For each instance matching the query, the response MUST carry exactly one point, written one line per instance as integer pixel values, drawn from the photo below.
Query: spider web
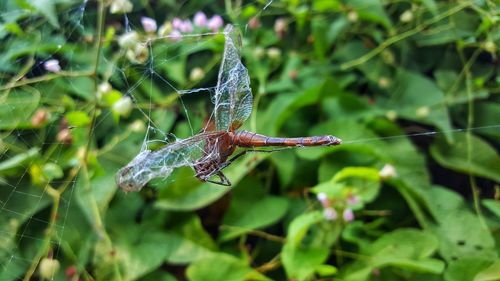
(45, 171)
(45, 166)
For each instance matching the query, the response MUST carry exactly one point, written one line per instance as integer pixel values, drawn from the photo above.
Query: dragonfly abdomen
(249, 139)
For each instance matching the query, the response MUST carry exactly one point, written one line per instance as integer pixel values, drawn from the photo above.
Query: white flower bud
(391, 115)
(490, 47)
(388, 171)
(48, 268)
(196, 74)
(423, 112)
(123, 106)
(165, 29)
(384, 82)
(138, 54)
(128, 39)
(52, 65)
(352, 16)
(121, 7)
(274, 53)
(258, 52)
(137, 126)
(406, 16)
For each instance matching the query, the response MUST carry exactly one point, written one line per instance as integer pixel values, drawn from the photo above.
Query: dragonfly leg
(223, 180)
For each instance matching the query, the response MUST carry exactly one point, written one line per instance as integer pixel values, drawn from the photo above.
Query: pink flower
(148, 24)
(215, 22)
(52, 65)
(186, 26)
(323, 198)
(200, 19)
(330, 214)
(348, 215)
(175, 35)
(176, 23)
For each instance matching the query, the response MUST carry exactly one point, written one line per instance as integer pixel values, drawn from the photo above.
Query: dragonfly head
(136, 174)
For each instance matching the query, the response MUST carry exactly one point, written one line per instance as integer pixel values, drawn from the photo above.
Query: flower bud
(215, 23)
(128, 39)
(352, 16)
(274, 53)
(330, 214)
(258, 52)
(48, 268)
(186, 26)
(280, 27)
(406, 16)
(165, 29)
(200, 19)
(138, 54)
(64, 136)
(148, 24)
(388, 171)
(52, 65)
(254, 23)
(384, 82)
(123, 106)
(177, 23)
(175, 35)
(388, 57)
(40, 117)
(196, 74)
(323, 199)
(423, 112)
(137, 126)
(391, 115)
(121, 7)
(348, 215)
(490, 47)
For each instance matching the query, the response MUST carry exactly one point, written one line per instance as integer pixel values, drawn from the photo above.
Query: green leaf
(48, 9)
(222, 267)
(371, 10)
(251, 210)
(300, 263)
(300, 225)
(418, 98)
(18, 160)
(16, 108)
(484, 160)
(409, 249)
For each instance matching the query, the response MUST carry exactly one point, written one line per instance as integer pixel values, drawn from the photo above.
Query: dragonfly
(210, 151)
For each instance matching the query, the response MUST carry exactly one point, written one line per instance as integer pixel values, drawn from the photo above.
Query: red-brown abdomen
(249, 139)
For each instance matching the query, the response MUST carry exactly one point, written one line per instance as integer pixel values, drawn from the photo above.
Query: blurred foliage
(410, 86)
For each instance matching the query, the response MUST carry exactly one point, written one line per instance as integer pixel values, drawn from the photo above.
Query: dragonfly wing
(233, 95)
(148, 165)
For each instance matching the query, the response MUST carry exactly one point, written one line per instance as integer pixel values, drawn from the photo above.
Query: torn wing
(233, 95)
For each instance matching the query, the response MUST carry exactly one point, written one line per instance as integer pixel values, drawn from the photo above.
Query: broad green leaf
(251, 210)
(47, 9)
(222, 267)
(408, 249)
(467, 269)
(484, 160)
(418, 98)
(16, 108)
(371, 10)
(491, 273)
(301, 262)
(18, 160)
(300, 225)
